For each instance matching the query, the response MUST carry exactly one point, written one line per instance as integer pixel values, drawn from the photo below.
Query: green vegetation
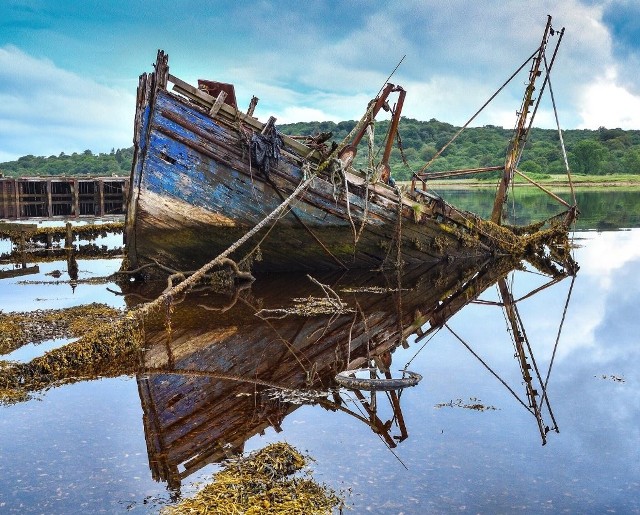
(600, 207)
(117, 162)
(591, 153)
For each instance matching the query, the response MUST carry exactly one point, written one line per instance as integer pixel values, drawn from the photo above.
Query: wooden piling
(49, 199)
(100, 184)
(68, 240)
(76, 198)
(16, 193)
(62, 197)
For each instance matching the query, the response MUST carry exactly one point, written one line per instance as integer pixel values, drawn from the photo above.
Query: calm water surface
(93, 446)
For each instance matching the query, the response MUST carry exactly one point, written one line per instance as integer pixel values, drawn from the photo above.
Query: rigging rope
(555, 347)
(422, 347)
(437, 154)
(564, 151)
(489, 369)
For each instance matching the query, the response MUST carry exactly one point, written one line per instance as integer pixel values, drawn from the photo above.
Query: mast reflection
(228, 367)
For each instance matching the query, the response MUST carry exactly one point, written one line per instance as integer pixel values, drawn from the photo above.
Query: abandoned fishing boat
(208, 178)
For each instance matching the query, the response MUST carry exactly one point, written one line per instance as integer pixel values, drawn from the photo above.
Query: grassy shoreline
(579, 181)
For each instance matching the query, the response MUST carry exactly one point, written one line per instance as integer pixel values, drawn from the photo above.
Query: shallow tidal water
(138, 441)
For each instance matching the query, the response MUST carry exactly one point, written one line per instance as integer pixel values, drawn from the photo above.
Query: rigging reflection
(219, 369)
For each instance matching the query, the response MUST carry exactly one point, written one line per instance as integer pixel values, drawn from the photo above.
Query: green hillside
(590, 152)
(117, 162)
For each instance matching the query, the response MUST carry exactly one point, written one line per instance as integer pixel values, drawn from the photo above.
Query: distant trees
(631, 161)
(587, 157)
(600, 151)
(118, 162)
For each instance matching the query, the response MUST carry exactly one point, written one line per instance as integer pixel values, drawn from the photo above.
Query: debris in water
(372, 289)
(473, 404)
(614, 378)
(308, 307)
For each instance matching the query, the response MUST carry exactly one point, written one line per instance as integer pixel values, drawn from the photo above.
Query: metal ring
(348, 379)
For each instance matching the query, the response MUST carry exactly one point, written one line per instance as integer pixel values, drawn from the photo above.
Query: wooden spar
(348, 154)
(423, 177)
(393, 129)
(216, 106)
(521, 131)
(548, 192)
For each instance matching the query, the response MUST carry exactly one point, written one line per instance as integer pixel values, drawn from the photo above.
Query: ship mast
(522, 128)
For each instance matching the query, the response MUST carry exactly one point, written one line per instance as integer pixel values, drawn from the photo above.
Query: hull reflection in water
(219, 370)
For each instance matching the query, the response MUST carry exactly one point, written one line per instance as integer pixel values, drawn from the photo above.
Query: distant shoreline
(581, 182)
(550, 181)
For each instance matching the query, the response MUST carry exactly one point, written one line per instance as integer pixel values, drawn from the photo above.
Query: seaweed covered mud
(262, 482)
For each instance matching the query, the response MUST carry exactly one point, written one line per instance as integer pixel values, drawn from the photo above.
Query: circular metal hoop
(348, 379)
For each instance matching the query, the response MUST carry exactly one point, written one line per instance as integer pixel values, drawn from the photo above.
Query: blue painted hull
(195, 191)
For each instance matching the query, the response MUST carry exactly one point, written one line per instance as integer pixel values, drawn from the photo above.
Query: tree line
(599, 152)
(602, 151)
(117, 162)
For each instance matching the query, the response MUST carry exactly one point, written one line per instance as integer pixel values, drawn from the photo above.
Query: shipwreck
(208, 178)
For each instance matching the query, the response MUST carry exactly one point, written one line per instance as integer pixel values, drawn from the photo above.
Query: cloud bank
(45, 110)
(67, 72)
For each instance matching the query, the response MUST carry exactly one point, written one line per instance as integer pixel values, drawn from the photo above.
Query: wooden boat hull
(195, 191)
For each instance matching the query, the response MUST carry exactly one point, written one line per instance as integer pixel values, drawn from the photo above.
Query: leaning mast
(522, 127)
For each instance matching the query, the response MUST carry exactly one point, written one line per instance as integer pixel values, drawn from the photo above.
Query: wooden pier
(62, 197)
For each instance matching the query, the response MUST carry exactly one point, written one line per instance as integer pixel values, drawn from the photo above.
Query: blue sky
(69, 69)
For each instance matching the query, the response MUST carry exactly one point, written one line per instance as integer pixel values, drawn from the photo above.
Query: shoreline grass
(578, 180)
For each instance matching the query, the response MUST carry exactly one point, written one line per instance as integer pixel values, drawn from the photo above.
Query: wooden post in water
(23, 254)
(68, 240)
(100, 197)
(49, 199)
(75, 194)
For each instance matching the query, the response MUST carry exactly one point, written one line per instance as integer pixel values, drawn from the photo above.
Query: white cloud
(608, 252)
(295, 114)
(453, 63)
(302, 68)
(45, 110)
(601, 270)
(606, 103)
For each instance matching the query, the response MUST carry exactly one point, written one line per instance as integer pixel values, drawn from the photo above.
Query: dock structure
(62, 197)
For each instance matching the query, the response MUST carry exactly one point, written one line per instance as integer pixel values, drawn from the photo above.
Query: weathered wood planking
(62, 197)
(210, 192)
